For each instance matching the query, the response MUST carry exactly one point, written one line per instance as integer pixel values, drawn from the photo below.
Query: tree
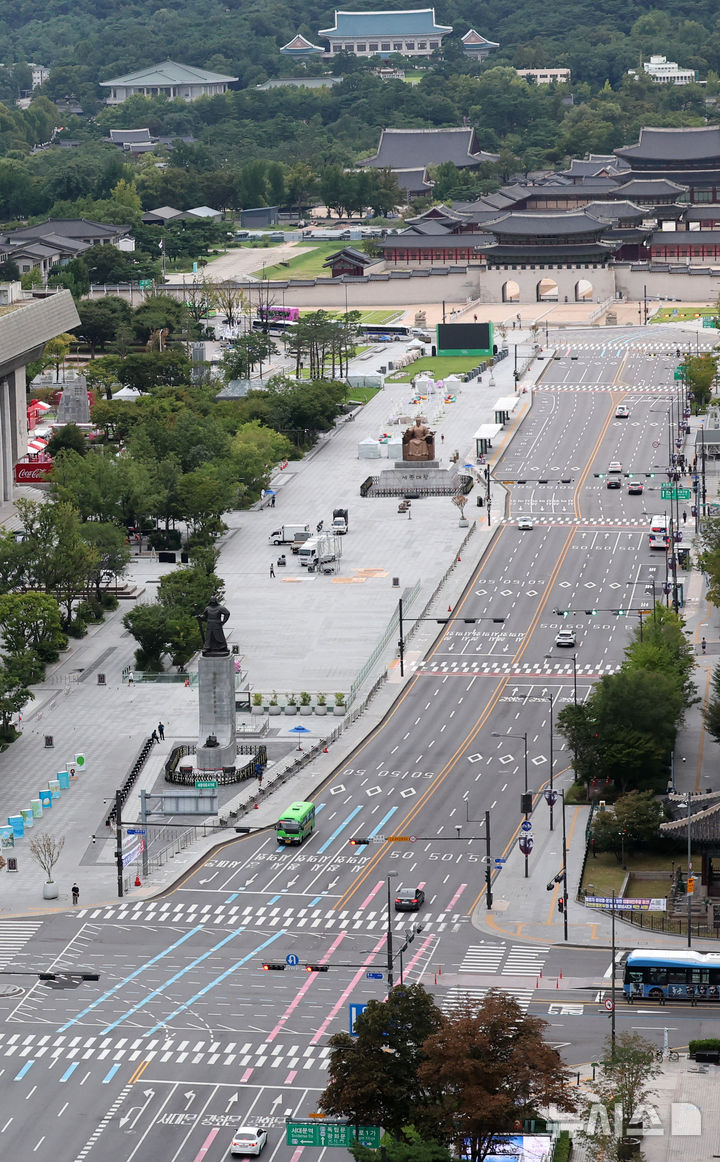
(204, 494)
(232, 302)
(634, 823)
(700, 372)
(619, 1095)
(154, 369)
(712, 710)
(16, 674)
(30, 623)
(56, 352)
(69, 438)
(59, 560)
(485, 1070)
(111, 553)
(189, 589)
(709, 557)
(100, 319)
(256, 450)
(374, 1077)
(148, 625)
(46, 851)
(413, 1150)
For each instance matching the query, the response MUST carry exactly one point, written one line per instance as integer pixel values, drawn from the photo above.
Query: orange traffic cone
(138, 883)
(255, 806)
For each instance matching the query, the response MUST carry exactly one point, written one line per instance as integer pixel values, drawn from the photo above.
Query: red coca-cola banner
(36, 472)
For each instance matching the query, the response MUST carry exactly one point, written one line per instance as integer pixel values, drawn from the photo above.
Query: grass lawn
(361, 394)
(605, 874)
(440, 367)
(307, 265)
(376, 318)
(681, 314)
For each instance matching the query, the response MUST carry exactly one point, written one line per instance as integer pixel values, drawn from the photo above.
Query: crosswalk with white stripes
(257, 915)
(494, 959)
(14, 935)
(521, 670)
(657, 347)
(652, 389)
(566, 521)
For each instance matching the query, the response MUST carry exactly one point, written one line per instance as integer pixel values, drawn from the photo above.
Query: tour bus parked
(296, 823)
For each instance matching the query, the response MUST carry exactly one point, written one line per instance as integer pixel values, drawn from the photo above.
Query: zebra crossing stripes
(458, 998)
(525, 959)
(525, 670)
(542, 518)
(14, 935)
(483, 958)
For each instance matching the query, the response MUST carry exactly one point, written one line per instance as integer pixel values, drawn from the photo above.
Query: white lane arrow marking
(234, 1097)
(190, 1095)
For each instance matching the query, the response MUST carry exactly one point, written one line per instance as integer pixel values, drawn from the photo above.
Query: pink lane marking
(457, 895)
(293, 1005)
(420, 952)
(374, 892)
(290, 1077)
(245, 1076)
(296, 1155)
(339, 1004)
(206, 1145)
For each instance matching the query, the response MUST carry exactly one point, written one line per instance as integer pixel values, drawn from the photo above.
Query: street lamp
(391, 980)
(574, 664)
(438, 621)
(497, 734)
(410, 934)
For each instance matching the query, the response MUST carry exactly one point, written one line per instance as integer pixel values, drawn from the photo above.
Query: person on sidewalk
(154, 737)
(75, 893)
(703, 645)
(684, 517)
(272, 569)
(161, 731)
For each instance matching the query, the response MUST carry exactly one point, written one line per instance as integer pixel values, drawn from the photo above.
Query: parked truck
(340, 521)
(286, 534)
(320, 553)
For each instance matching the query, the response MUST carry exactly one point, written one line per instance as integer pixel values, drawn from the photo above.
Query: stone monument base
(422, 476)
(216, 686)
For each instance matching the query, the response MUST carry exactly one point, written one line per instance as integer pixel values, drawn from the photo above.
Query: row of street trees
(624, 733)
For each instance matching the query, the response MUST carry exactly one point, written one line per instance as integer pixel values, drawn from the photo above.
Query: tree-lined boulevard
(185, 1036)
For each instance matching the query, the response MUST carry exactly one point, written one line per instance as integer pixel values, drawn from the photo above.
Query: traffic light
(591, 612)
(561, 904)
(356, 842)
(621, 612)
(274, 966)
(316, 968)
(526, 802)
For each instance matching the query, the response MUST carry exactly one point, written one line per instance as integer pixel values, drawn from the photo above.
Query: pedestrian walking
(272, 569)
(684, 517)
(75, 893)
(703, 645)
(272, 501)
(154, 737)
(442, 438)
(161, 731)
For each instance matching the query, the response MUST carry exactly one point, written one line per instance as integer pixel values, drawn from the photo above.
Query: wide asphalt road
(185, 1036)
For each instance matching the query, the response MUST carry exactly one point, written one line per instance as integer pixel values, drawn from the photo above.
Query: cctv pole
(401, 643)
(118, 842)
(551, 762)
(524, 738)
(564, 856)
(612, 982)
(390, 979)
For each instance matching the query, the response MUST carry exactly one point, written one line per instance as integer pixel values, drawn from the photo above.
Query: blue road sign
(526, 825)
(292, 959)
(354, 1011)
(136, 831)
(374, 975)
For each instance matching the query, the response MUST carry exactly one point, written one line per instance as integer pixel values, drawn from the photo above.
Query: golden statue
(418, 442)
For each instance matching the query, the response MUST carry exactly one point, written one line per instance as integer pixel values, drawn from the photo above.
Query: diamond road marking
(590, 585)
(531, 593)
(408, 791)
(374, 791)
(338, 789)
(539, 760)
(508, 758)
(564, 585)
(615, 585)
(506, 592)
(474, 758)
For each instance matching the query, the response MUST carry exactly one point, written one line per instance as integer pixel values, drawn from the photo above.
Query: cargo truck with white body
(286, 534)
(320, 553)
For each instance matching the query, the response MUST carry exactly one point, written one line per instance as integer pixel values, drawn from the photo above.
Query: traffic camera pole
(488, 873)
(118, 842)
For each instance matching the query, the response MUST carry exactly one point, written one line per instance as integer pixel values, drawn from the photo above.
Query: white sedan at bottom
(248, 1140)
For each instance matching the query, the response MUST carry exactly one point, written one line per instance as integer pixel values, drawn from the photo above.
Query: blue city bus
(672, 976)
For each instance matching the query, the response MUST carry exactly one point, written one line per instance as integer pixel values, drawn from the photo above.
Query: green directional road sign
(144, 283)
(667, 492)
(206, 784)
(322, 1133)
(679, 372)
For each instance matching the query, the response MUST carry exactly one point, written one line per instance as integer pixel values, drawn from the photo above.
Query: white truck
(320, 553)
(286, 534)
(340, 522)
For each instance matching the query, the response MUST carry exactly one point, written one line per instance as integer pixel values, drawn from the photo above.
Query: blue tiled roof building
(412, 32)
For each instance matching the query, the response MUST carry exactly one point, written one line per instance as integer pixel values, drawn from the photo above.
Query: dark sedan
(409, 899)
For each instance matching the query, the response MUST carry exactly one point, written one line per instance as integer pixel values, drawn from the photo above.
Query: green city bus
(296, 823)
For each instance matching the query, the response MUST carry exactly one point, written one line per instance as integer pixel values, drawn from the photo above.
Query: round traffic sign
(413, 838)
(656, 443)
(526, 825)
(609, 1005)
(292, 959)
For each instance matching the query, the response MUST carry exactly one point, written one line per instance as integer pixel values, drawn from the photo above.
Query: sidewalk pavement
(295, 632)
(519, 911)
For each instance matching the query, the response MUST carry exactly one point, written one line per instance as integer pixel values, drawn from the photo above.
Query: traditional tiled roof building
(477, 46)
(168, 79)
(301, 48)
(413, 32)
(688, 157)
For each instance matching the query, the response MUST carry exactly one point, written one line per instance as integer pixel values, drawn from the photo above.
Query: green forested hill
(105, 37)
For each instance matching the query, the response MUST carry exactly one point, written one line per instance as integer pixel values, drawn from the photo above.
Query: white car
(622, 412)
(565, 637)
(248, 1140)
(525, 523)
(614, 466)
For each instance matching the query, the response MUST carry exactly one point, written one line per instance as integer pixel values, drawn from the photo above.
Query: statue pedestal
(216, 685)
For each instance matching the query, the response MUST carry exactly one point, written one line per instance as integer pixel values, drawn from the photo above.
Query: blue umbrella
(299, 730)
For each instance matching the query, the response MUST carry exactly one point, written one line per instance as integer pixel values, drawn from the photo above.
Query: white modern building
(546, 76)
(665, 72)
